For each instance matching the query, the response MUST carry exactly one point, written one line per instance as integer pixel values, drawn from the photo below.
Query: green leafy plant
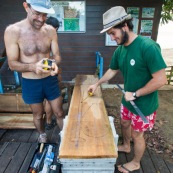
(167, 11)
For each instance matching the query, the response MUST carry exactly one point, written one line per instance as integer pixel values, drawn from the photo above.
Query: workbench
(88, 140)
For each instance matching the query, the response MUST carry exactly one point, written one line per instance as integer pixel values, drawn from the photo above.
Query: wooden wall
(78, 50)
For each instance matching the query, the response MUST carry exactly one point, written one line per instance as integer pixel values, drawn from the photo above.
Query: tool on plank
(134, 106)
(90, 94)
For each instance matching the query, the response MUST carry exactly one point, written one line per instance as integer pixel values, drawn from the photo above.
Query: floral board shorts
(136, 121)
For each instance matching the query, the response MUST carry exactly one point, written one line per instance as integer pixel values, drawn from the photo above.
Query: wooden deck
(150, 163)
(17, 149)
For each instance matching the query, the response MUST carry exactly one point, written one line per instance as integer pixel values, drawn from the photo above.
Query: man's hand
(40, 67)
(129, 96)
(92, 88)
(54, 69)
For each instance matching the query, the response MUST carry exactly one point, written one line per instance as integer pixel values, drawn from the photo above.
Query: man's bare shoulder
(15, 28)
(49, 29)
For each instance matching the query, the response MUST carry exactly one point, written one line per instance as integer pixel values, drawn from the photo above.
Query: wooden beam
(16, 121)
(13, 102)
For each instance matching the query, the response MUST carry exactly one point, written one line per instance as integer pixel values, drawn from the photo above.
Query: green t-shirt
(137, 62)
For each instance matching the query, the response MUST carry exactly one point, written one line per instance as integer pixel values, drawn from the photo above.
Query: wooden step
(16, 121)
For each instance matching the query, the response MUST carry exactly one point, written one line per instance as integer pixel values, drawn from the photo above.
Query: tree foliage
(167, 11)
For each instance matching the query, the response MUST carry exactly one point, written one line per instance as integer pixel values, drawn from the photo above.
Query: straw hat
(113, 17)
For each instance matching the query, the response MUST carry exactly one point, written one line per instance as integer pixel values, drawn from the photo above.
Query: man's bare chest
(31, 44)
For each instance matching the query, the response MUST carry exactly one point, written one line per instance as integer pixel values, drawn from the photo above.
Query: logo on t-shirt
(132, 62)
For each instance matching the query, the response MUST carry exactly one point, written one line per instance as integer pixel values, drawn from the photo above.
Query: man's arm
(159, 79)
(55, 52)
(55, 47)
(13, 52)
(106, 77)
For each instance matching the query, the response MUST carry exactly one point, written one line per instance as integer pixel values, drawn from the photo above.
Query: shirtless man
(28, 43)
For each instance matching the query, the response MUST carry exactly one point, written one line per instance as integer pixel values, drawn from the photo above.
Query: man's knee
(38, 115)
(59, 113)
(137, 135)
(125, 123)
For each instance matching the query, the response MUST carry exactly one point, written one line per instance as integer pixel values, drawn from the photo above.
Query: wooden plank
(55, 138)
(22, 135)
(16, 121)
(34, 136)
(2, 132)
(87, 133)
(17, 135)
(12, 102)
(18, 157)
(158, 162)
(9, 136)
(7, 155)
(169, 165)
(147, 164)
(49, 134)
(28, 158)
(3, 147)
(1, 144)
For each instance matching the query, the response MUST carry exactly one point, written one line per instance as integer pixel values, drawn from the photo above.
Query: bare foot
(129, 167)
(124, 148)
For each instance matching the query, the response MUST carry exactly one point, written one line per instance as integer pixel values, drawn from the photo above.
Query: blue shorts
(36, 90)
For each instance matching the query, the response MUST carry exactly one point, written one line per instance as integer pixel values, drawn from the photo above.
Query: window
(71, 15)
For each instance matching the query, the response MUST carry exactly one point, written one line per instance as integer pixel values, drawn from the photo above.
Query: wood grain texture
(16, 121)
(87, 133)
(12, 102)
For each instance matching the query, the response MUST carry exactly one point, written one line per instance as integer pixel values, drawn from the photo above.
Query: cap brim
(43, 10)
(106, 29)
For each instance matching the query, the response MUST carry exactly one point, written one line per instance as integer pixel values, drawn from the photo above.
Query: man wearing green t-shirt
(140, 61)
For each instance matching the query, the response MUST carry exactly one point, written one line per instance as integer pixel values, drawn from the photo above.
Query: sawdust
(160, 139)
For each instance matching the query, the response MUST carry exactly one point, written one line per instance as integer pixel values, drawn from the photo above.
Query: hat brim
(43, 10)
(126, 18)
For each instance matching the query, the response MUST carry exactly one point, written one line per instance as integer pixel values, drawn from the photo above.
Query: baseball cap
(113, 17)
(43, 6)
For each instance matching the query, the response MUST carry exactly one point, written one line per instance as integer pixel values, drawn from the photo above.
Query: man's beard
(124, 38)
